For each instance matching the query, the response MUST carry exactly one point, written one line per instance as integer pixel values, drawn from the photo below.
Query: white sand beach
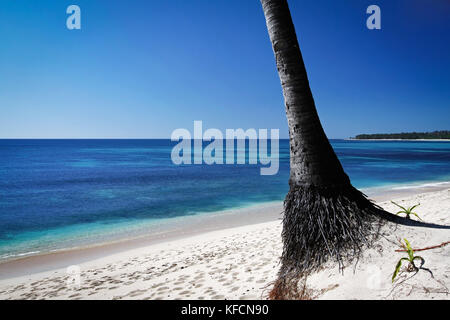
(241, 262)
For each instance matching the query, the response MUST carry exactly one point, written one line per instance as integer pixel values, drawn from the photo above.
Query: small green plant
(408, 211)
(411, 257)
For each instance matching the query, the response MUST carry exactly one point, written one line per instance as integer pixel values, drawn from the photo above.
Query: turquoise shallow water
(58, 194)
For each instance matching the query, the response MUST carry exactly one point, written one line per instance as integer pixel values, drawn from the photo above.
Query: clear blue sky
(140, 69)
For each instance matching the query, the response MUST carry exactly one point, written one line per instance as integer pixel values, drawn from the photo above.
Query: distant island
(435, 135)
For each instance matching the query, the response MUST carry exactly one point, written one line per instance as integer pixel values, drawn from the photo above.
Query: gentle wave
(17, 255)
(424, 185)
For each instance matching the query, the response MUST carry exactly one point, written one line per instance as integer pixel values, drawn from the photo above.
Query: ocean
(59, 194)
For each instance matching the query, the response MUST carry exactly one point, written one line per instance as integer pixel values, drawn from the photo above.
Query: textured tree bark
(312, 159)
(324, 215)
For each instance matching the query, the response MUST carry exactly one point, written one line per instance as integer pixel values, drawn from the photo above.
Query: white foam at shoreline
(414, 186)
(425, 185)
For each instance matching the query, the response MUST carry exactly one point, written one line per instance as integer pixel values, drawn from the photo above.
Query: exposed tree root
(320, 224)
(291, 288)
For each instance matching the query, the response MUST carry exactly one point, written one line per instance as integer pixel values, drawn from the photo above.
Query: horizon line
(132, 139)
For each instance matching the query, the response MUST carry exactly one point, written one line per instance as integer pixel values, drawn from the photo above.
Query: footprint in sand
(162, 289)
(186, 292)
(136, 293)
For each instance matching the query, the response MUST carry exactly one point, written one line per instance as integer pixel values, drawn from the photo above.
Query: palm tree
(324, 215)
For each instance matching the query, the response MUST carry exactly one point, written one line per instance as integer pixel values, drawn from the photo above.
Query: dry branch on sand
(427, 248)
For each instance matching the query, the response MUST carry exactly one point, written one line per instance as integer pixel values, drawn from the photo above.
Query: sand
(242, 262)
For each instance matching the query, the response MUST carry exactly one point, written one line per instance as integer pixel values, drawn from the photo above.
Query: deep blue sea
(58, 194)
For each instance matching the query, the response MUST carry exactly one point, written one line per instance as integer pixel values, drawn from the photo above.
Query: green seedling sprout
(411, 257)
(408, 211)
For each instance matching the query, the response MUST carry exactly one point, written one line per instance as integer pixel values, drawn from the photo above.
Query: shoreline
(191, 226)
(242, 262)
(421, 140)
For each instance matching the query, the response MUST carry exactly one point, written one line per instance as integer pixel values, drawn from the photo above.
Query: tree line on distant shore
(444, 134)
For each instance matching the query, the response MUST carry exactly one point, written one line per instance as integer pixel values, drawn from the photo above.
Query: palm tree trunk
(324, 215)
(313, 161)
